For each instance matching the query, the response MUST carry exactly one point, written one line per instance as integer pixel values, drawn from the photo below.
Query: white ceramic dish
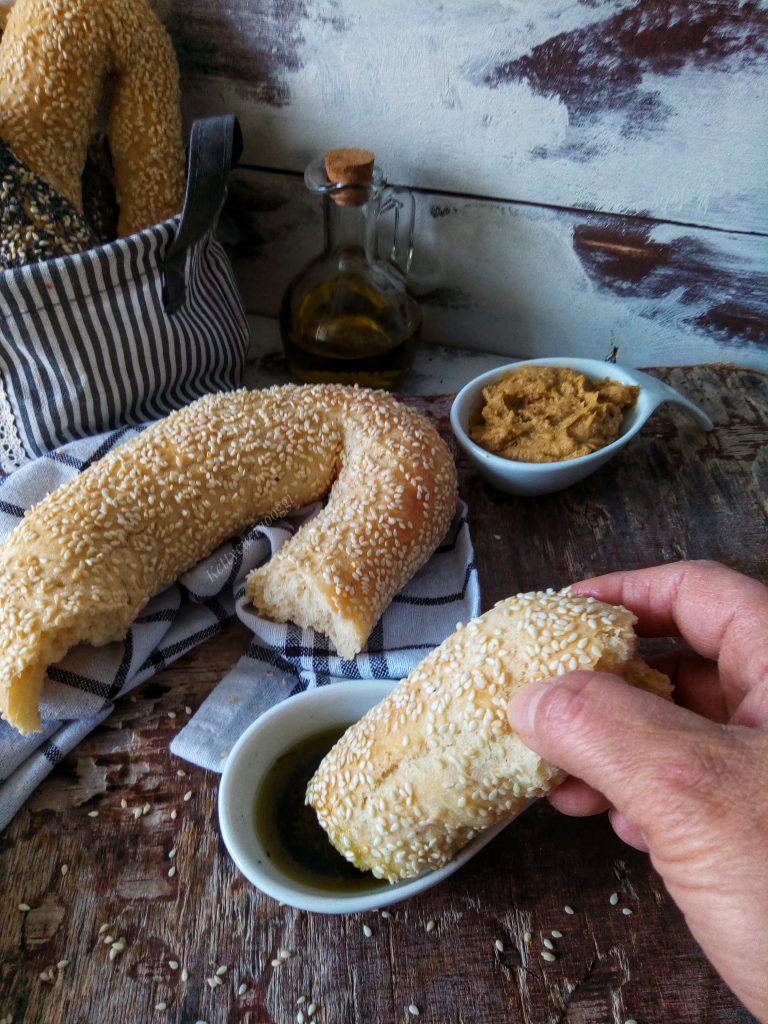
(532, 478)
(279, 729)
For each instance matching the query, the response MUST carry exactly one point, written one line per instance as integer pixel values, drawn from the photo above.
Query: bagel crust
(54, 59)
(437, 761)
(86, 559)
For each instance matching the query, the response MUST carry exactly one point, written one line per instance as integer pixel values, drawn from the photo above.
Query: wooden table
(674, 493)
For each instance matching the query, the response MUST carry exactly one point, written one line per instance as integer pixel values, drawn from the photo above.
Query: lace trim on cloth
(12, 454)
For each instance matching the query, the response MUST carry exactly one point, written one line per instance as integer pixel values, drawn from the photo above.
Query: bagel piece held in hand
(54, 59)
(85, 560)
(436, 762)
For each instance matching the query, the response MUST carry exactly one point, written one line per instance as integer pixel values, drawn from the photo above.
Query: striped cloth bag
(128, 331)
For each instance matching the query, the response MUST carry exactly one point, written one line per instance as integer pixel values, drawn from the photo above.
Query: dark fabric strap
(215, 146)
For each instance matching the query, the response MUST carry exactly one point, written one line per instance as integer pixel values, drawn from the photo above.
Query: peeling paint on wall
(622, 106)
(249, 41)
(724, 297)
(588, 171)
(603, 67)
(529, 281)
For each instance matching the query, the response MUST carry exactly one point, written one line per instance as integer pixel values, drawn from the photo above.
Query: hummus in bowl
(550, 413)
(517, 476)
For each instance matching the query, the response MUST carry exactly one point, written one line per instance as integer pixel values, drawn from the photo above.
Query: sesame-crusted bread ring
(54, 59)
(437, 761)
(85, 560)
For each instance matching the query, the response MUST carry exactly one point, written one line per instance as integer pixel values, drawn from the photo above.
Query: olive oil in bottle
(348, 317)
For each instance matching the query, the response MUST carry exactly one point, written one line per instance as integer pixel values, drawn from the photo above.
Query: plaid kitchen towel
(281, 660)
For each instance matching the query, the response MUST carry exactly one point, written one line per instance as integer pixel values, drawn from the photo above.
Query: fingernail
(521, 710)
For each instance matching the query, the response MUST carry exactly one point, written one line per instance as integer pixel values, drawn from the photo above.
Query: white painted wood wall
(588, 173)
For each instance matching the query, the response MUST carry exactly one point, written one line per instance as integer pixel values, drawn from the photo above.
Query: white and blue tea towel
(281, 659)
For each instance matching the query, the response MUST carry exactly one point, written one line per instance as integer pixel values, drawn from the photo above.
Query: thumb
(649, 757)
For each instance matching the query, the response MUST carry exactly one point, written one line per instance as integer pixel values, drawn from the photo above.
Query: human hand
(686, 782)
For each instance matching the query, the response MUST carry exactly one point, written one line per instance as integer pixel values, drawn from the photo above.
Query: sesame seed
(146, 809)
(161, 1006)
(558, 622)
(181, 773)
(222, 969)
(136, 812)
(301, 1000)
(172, 853)
(171, 870)
(614, 899)
(430, 926)
(277, 962)
(123, 803)
(173, 964)
(527, 936)
(627, 911)
(171, 714)
(93, 814)
(284, 954)
(549, 957)
(556, 934)
(188, 795)
(568, 909)
(188, 709)
(386, 914)
(367, 931)
(62, 964)
(243, 988)
(311, 1009)
(24, 907)
(548, 943)
(414, 1010)
(173, 815)
(103, 928)
(499, 945)
(630, 1020)
(300, 1017)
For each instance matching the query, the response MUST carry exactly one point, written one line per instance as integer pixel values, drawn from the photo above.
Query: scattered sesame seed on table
(644, 967)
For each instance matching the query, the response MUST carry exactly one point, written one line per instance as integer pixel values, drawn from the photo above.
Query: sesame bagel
(86, 559)
(437, 761)
(54, 59)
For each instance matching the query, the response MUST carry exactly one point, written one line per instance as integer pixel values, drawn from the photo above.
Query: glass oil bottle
(348, 317)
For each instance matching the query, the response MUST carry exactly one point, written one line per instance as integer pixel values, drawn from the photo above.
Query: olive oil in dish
(289, 830)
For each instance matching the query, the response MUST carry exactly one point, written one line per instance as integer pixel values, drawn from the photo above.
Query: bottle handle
(402, 202)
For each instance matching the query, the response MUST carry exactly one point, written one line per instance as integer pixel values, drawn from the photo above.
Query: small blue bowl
(533, 478)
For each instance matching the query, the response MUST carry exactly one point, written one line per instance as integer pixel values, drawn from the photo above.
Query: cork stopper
(349, 166)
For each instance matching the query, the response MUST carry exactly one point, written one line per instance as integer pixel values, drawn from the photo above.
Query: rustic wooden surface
(674, 492)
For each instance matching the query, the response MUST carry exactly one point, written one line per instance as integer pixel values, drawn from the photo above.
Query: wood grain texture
(654, 107)
(532, 281)
(673, 492)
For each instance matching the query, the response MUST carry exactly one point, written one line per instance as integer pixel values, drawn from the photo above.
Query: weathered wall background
(589, 173)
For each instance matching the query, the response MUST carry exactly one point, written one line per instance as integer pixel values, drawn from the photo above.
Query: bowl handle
(661, 392)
